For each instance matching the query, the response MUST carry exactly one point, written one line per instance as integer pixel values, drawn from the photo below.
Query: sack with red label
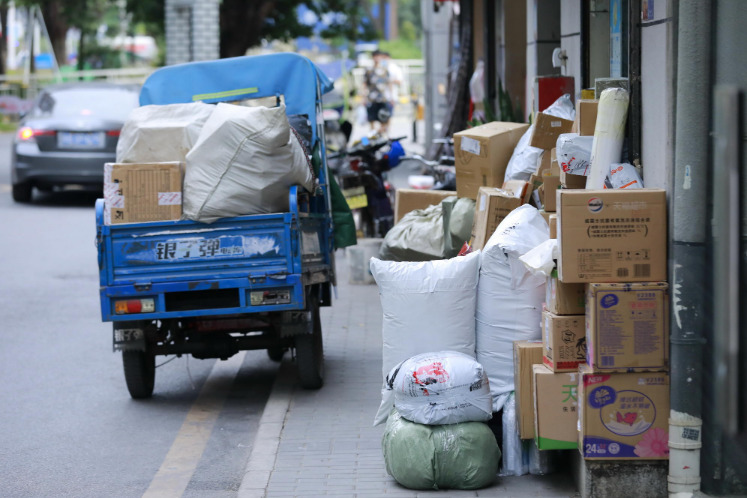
(623, 175)
(446, 387)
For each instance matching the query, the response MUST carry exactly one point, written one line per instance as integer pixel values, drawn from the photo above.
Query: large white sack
(523, 162)
(509, 297)
(244, 162)
(161, 133)
(445, 387)
(428, 306)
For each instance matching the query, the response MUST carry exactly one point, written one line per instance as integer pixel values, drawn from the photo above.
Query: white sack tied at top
(161, 133)
(244, 162)
(509, 297)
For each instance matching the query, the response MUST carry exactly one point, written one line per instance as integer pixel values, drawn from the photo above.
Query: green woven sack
(454, 456)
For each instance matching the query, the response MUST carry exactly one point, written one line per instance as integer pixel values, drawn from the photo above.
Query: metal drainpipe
(688, 248)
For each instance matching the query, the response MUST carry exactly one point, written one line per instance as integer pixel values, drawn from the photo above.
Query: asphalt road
(67, 424)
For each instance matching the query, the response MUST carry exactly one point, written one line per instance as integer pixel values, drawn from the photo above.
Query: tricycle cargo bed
(245, 264)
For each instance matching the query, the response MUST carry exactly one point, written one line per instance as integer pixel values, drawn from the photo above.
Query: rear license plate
(81, 140)
(356, 197)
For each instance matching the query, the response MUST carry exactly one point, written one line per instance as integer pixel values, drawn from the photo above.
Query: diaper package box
(623, 416)
(627, 326)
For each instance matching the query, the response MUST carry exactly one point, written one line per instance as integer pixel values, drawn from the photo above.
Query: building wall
(513, 67)
(192, 30)
(657, 97)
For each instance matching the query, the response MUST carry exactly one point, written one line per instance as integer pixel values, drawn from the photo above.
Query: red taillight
(147, 305)
(355, 164)
(113, 133)
(26, 133)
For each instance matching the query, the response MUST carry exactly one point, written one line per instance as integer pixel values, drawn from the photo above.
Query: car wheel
(22, 192)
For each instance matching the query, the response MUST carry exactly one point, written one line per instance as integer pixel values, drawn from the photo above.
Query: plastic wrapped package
(244, 162)
(574, 153)
(523, 162)
(514, 461)
(540, 462)
(624, 175)
(458, 216)
(428, 306)
(444, 387)
(161, 133)
(454, 456)
(509, 297)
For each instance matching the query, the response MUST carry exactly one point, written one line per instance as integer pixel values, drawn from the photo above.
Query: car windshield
(113, 103)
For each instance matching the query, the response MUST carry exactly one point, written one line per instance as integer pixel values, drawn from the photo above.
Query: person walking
(378, 93)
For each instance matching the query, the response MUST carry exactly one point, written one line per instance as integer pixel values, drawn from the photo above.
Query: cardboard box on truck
(612, 235)
(623, 416)
(135, 193)
(526, 355)
(564, 299)
(492, 206)
(407, 199)
(547, 128)
(482, 154)
(563, 341)
(627, 326)
(586, 115)
(556, 409)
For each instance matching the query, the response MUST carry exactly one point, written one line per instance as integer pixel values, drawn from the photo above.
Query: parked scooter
(434, 175)
(361, 174)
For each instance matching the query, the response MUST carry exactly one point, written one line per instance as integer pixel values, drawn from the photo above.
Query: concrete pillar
(192, 30)
(513, 68)
(570, 41)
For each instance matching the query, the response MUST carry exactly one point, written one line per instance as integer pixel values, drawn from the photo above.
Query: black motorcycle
(361, 172)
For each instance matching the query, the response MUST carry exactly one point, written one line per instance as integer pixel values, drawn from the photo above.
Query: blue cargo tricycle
(188, 288)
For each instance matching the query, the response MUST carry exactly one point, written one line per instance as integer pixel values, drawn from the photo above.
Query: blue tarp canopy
(224, 80)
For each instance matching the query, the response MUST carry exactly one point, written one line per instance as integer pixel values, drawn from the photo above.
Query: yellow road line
(180, 463)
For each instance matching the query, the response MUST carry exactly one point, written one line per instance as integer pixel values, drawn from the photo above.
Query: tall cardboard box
(563, 341)
(550, 185)
(564, 299)
(612, 235)
(136, 193)
(547, 128)
(556, 409)
(492, 206)
(553, 224)
(623, 416)
(482, 154)
(526, 355)
(586, 115)
(407, 199)
(627, 326)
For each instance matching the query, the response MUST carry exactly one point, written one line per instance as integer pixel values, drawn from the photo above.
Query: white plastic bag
(428, 306)
(523, 162)
(244, 162)
(161, 133)
(541, 259)
(624, 175)
(574, 153)
(509, 297)
(445, 387)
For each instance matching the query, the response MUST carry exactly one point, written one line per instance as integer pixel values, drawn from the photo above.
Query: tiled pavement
(322, 443)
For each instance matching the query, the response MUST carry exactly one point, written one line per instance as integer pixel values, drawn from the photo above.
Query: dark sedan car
(68, 135)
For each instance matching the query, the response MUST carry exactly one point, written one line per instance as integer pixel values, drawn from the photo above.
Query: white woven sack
(445, 387)
(428, 306)
(244, 162)
(161, 133)
(509, 297)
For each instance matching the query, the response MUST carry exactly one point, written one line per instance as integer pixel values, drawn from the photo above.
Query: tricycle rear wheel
(310, 351)
(140, 373)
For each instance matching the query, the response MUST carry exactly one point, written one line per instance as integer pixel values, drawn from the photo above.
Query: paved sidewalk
(322, 443)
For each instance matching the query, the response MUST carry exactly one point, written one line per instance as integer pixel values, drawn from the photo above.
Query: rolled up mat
(608, 135)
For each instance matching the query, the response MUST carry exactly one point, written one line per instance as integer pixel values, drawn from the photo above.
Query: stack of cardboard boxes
(600, 382)
(136, 193)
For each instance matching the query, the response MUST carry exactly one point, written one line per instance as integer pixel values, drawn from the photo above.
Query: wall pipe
(688, 270)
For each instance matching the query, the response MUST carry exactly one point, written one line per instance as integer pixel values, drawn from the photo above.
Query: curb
(265, 448)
